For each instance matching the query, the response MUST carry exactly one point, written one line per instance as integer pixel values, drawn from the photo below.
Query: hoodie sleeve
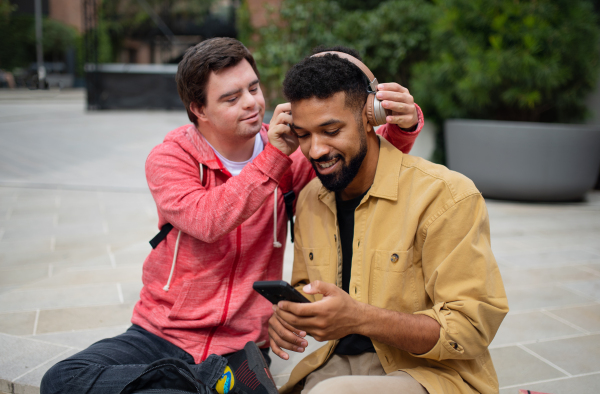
(402, 140)
(182, 200)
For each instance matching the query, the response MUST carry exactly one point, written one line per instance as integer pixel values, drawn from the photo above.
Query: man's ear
(368, 127)
(198, 110)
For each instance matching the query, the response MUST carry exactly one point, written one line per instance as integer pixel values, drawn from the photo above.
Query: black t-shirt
(352, 344)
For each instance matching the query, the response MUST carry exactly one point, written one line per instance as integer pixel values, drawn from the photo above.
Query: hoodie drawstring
(166, 288)
(275, 243)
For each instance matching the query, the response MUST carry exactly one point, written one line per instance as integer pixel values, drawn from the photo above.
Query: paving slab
(80, 277)
(17, 323)
(49, 298)
(21, 355)
(86, 318)
(588, 288)
(547, 275)
(514, 365)
(589, 384)
(575, 355)
(81, 339)
(547, 258)
(586, 317)
(534, 326)
(551, 296)
(19, 275)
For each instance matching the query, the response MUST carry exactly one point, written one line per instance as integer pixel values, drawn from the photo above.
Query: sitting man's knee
(57, 377)
(50, 382)
(339, 384)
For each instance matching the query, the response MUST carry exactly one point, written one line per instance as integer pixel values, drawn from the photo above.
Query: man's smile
(327, 167)
(251, 118)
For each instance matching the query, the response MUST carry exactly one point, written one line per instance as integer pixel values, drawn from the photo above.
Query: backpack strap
(289, 197)
(164, 231)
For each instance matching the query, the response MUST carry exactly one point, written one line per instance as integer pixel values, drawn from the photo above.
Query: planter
(132, 86)
(525, 161)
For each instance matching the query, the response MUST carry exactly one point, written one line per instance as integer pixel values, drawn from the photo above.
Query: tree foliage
(391, 36)
(18, 41)
(510, 60)
(533, 60)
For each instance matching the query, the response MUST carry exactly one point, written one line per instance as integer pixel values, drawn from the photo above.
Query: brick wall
(68, 12)
(258, 10)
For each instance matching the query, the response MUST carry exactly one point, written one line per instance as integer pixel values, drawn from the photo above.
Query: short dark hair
(200, 60)
(324, 76)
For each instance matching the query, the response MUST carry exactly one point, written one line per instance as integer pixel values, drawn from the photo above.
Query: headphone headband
(372, 80)
(376, 114)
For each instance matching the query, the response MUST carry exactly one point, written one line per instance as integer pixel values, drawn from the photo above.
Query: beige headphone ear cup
(376, 114)
(370, 110)
(379, 113)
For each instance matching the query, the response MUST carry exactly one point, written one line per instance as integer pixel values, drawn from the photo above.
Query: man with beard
(393, 250)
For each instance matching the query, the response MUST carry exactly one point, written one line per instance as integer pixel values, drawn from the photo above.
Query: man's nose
(248, 100)
(318, 147)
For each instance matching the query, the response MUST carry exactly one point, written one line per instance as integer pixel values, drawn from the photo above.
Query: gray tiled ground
(75, 218)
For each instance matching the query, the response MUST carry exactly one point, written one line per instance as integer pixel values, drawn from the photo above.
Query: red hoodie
(226, 240)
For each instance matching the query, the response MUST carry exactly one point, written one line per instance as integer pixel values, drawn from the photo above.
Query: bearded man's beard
(340, 180)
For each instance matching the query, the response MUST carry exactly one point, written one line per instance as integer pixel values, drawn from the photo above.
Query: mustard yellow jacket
(421, 245)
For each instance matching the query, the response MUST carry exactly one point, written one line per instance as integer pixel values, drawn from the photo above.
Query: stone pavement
(76, 217)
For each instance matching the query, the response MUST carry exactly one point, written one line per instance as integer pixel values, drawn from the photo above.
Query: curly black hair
(326, 75)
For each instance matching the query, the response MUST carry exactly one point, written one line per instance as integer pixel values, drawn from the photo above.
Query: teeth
(327, 164)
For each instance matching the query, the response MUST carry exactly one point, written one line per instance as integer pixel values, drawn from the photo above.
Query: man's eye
(301, 136)
(253, 90)
(332, 132)
(231, 100)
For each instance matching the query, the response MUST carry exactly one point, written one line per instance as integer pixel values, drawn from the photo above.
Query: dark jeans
(134, 362)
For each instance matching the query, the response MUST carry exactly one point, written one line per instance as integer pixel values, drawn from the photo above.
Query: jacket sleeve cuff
(394, 128)
(445, 348)
(272, 162)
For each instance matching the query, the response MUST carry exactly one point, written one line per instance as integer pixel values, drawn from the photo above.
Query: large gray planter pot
(525, 161)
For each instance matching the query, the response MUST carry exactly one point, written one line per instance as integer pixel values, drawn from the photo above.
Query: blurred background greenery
(532, 60)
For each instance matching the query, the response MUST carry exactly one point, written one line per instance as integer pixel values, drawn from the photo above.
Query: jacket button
(394, 258)
(335, 237)
(310, 255)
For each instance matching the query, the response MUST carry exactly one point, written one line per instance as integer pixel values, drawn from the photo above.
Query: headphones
(375, 112)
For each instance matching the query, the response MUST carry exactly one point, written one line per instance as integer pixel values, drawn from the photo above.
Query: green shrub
(390, 37)
(509, 60)
(18, 42)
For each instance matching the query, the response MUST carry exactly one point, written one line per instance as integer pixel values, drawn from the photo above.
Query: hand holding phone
(278, 290)
(281, 333)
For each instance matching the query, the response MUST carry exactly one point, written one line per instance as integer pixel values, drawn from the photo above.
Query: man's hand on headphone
(402, 104)
(281, 136)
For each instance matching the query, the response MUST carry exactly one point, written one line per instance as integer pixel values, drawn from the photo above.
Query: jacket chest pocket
(317, 262)
(316, 256)
(392, 260)
(393, 284)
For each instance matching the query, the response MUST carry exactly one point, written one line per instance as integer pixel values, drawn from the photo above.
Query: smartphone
(278, 290)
